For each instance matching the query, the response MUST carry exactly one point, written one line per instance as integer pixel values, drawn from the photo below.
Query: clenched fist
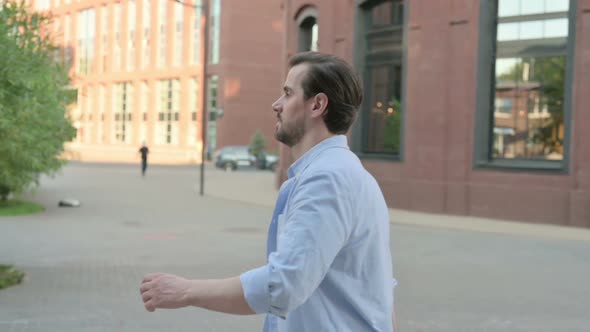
(166, 291)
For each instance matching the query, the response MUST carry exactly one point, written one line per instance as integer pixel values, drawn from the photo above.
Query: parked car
(234, 157)
(267, 161)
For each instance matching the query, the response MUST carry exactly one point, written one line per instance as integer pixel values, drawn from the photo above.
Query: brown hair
(333, 76)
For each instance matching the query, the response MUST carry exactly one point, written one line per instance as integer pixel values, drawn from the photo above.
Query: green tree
(258, 143)
(33, 100)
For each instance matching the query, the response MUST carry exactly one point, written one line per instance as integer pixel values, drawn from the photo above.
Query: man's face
(290, 109)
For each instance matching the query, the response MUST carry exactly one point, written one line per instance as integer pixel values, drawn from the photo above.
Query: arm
(316, 228)
(168, 291)
(312, 238)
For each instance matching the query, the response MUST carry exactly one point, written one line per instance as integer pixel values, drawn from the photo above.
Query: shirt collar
(298, 166)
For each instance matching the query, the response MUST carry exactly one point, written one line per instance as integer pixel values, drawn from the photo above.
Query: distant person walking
(144, 153)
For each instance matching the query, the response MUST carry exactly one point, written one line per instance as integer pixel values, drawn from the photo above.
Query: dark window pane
(383, 42)
(384, 111)
(176, 116)
(194, 116)
(388, 13)
(145, 117)
(382, 14)
(383, 78)
(308, 31)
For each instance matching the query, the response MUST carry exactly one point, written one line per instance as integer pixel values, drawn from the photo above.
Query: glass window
(117, 46)
(167, 131)
(508, 8)
(308, 35)
(178, 16)
(147, 18)
(131, 25)
(193, 107)
(162, 15)
(101, 110)
(212, 109)
(552, 28)
(123, 108)
(553, 6)
(556, 28)
(508, 31)
(86, 33)
(104, 34)
(528, 121)
(387, 13)
(215, 32)
(196, 47)
(529, 7)
(384, 120)
(382, 111)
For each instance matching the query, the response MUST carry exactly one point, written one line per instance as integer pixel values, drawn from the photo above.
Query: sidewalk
(261, 191)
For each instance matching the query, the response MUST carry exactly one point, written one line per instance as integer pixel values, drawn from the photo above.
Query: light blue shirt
(331, 270)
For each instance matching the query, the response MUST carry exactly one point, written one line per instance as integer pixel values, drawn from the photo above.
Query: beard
(291, 134)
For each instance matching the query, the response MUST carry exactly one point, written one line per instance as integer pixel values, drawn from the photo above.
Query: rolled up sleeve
(255, 286)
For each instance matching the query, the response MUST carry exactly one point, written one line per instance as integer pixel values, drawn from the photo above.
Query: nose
(276, 106)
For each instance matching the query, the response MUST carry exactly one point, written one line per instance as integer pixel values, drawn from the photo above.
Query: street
(84, 265)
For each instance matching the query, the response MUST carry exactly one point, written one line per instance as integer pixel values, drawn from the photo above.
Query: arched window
(307, 23)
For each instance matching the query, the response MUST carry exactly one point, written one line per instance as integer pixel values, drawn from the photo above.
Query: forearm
(222, 295)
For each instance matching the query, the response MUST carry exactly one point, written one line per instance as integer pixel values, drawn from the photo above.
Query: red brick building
(138, 68)
(471, 107)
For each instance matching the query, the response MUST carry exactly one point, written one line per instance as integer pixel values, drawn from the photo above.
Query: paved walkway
(84, 264)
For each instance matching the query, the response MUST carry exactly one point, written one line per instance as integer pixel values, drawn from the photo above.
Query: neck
(308, 141)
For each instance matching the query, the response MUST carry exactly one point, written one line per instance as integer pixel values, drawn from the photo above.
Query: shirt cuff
(256, 289)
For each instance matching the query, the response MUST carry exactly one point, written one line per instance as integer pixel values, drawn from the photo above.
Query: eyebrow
(287, 88)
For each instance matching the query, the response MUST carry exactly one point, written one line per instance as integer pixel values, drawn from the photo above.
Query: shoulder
(340, 166)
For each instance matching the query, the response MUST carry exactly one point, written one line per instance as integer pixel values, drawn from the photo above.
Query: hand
(166, 291)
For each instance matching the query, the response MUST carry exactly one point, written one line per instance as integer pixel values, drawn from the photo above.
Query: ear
(320, 104)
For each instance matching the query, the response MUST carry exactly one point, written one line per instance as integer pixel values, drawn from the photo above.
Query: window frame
(360, 127)
(486, 64)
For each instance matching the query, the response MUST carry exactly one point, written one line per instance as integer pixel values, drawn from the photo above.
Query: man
(329, 263)
(144, 153)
